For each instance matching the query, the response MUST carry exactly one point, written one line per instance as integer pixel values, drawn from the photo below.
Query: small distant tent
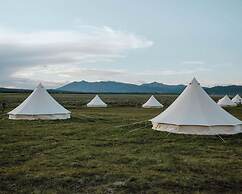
(152, 103)
(194, 112)
(225, 102)
(97, 102)
(39, 105)
(237, 99)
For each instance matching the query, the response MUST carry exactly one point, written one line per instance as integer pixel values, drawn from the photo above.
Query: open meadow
(113, 150)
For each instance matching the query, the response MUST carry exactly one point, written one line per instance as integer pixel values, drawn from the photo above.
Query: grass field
(113, 150)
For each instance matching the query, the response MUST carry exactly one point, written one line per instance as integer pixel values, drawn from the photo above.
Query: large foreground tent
(226, 101)
(152, 103)
(194, 112)
(39, 105)
(237, 99)
(97, 102)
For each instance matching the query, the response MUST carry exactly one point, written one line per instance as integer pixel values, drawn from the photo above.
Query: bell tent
(237, 99)
(225, 102)
(97, 102)
(152, 103)
(194, 112)
(39, 105)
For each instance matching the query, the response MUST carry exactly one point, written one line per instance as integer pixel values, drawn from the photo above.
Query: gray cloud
(23, 51)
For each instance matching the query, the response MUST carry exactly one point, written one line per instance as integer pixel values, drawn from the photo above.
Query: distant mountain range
(154, 87)
(118, 87)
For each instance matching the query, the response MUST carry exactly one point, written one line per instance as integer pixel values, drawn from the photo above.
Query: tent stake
(168, 134)
(221, 138)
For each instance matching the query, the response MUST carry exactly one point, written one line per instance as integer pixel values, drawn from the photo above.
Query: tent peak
(40, 85)
(194, 81)
(226, 96)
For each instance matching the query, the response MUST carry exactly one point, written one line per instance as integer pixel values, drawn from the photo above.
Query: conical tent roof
(195, 108)
(225, 101)
(96, 102)
(39, 102)
(237, 99)
(152, 103)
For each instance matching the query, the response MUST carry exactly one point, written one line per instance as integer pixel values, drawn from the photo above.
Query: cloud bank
(34, 55)
(62, 74)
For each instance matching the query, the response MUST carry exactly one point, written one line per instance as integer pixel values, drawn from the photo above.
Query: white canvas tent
(237, 99)
(194, 112)
(39, 105)
(97, 102)
(152, 103)
(225, 101)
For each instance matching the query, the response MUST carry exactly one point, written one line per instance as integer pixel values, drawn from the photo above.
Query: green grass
(113, 150)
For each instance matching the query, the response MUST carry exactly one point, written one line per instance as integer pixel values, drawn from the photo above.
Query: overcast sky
(136, 41)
